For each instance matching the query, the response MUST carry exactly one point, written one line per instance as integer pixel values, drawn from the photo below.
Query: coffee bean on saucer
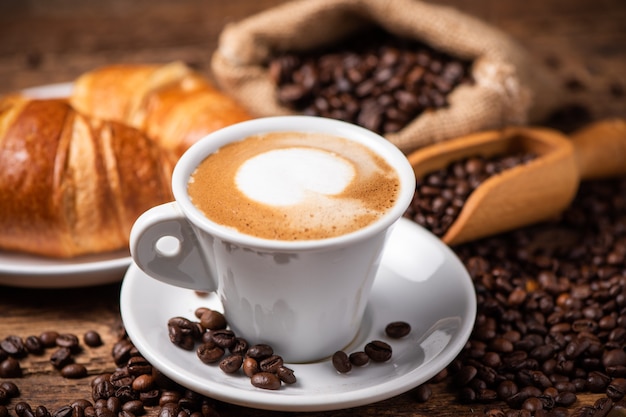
(286, 375)
(212, 320)
(359, 358)
(271, 363)
(265, 380)
(341, 362)
(223, 338)
(260, 351)
(378, 351)
(397, 329)
(231, 364)
(209, 352)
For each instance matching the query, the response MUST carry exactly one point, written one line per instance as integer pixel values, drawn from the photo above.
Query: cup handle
(178, 260)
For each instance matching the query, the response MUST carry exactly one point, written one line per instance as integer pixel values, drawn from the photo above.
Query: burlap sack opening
(509, 87)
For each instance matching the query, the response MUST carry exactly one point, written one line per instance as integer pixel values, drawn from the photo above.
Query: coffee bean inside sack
(441, 195)
(374, 79)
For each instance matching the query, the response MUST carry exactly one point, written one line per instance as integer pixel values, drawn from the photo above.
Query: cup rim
(310, 124)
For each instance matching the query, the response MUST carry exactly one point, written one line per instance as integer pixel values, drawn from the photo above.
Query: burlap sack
(509, 88)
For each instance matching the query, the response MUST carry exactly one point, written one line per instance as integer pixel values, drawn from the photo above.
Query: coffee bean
(223, 338)
(250, 366)
(260, 351)
(359, 358)
(209, 352)
(69, 341)
(138, 365)
(286, 375)
(10, 368)
(397, 329)
(61, 357)
(265, 380)
(183, 332)
(121, 351)
(378, 351)
(341, 362)
(14, 346)
(92, 338)
(33, 345)
(212, 320)
(231, 363)
(74, 371)
(616, 389)
(240, 346)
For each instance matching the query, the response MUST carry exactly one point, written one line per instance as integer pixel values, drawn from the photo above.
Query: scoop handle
(601, 149)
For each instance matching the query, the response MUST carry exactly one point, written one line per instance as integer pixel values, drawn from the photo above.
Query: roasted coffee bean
(376, 80)
(209, 352)
(14, 346)
(286, 375)
(250, 366)
(231, 363)
(169, 410)
(121, 351)
(4, 397)
(68, 340)
(223, 338)
(64, 411)
(143, 383)
(74, 371)
(138, 365)
(260, 351)
(240, 346)
(212, 320)
(169, 396)
(92, 338)
(10, 368)
(397, 329)
(33, 345)
(359, 358)
(265, 380)
(126, 393)
(120, 377)
(10, 388)
(102, 390)
(616, 389)
(378, 351)
(271, 364)
(341, 362)
(135, 407)
(183, 332)
(149, 398)
(61, 357)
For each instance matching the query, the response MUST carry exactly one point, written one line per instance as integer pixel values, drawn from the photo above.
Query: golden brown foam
(371, 193)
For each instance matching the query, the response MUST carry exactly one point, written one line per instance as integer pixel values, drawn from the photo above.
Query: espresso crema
(294, 186)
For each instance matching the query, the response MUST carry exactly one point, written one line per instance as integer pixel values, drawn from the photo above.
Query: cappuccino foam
(294, 186)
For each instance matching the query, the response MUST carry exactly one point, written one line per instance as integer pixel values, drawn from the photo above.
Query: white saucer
(420, 281)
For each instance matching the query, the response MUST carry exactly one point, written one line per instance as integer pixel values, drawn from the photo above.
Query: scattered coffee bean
(209, 352)
(223, 338)
(397, 329)
(14, 346)
(33, 345)
(74, 371)
(10, 368)
(69, 341)
(378, 351)
(250, 366)
(260, 351)
(286, 375)
(61, 357)
(92, 338)
(265, 380)
(341, 362)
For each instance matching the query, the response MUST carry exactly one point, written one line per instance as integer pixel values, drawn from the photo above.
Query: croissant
(170, 103)
(72, 184)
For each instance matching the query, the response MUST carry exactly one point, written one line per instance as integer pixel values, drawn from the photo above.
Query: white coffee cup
(304, 298)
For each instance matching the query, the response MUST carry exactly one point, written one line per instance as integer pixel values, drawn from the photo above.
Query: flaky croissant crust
(72, 184)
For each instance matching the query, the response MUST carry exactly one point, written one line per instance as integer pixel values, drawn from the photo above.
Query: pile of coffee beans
(216, 344)
(441, 195)
(551, 320)
(66, 346)
(374, 79)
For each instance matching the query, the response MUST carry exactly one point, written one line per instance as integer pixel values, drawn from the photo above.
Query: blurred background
(49, 41)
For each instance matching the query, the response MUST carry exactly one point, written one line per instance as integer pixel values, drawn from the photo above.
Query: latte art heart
(283, 177)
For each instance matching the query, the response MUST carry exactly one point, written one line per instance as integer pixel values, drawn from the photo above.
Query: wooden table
(42, 42)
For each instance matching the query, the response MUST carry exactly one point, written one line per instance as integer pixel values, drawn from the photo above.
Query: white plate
(31, 271)
(420, 281)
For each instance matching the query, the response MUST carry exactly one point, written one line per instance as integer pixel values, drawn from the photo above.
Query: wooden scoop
(535, 191)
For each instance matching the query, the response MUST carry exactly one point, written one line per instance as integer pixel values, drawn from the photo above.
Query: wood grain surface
(51, 41)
